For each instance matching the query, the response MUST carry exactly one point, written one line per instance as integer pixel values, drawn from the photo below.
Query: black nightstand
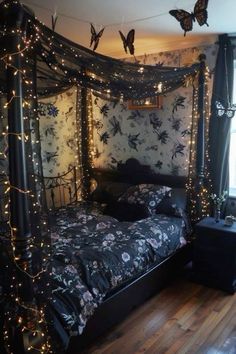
(214, 260)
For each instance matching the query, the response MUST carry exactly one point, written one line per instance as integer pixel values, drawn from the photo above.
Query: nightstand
(214, 259)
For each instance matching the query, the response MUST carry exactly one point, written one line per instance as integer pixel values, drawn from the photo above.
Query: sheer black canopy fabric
(62, 63)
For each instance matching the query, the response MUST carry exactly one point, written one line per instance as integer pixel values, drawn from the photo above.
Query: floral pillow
(149, 195)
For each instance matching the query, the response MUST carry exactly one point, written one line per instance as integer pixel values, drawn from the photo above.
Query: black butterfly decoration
(95, 37)
(54, 21)
(222, 111)
(128, 41)
(186, 19)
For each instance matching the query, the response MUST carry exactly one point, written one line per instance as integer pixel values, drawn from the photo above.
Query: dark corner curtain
(219, 128)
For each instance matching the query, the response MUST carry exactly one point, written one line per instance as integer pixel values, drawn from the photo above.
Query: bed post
(19, 206)
(200, 159)
(85, 159)
(200, 141)
(20, 300)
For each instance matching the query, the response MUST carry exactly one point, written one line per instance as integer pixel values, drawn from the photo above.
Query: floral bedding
(94, 253)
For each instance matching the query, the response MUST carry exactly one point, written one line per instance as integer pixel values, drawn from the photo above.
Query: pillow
(123, 211)
(149, 195)
(116, 189)
(174, 203)
(167, 207)
(100, 195)
(108, 191)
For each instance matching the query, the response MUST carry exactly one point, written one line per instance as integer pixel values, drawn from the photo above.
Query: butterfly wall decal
(128, 41)
(95, 37)
(225, 111)
(186, 18)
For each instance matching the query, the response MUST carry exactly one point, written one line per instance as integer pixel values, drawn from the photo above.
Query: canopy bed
(36, 61)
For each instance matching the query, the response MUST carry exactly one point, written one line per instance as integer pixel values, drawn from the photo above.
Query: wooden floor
(183, 318)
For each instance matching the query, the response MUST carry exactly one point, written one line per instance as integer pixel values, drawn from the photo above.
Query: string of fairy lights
(102, 74)
(202, 197)
(84, 172)
(33, 319)
(38, 325)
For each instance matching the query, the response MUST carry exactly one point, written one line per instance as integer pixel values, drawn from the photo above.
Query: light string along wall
(204, 192)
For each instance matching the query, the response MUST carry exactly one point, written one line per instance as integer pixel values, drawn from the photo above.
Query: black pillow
(174, 204)
(167, 207)
(123, 211)
(101, 196)
(116, 189)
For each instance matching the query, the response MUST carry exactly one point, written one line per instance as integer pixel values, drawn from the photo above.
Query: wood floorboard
(184, 318)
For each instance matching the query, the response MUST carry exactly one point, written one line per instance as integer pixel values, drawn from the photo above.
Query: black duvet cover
(94, 253)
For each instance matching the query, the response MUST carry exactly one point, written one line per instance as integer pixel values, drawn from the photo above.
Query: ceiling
(155, 29)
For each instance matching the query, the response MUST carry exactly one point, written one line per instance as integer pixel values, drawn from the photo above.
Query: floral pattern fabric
(149, 195)
(94, 253)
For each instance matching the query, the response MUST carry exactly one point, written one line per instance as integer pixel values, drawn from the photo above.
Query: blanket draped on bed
(94, 253)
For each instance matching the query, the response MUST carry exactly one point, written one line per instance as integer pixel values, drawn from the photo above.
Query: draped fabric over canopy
(61, 63)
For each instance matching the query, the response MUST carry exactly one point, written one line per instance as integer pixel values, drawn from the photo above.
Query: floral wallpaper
(157, 137)
(58, 132)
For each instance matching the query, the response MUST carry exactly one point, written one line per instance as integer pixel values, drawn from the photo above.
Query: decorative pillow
(101, 196)
(123, 211)
(108, 191)
(116, 189)
(174, 204)
(149, 195)
(168, 207)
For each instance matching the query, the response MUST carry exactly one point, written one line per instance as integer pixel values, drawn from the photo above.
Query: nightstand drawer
(215, 239)
(220, 258)
(214, 255)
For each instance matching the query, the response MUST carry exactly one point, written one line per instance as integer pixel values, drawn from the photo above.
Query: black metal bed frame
(61, 189)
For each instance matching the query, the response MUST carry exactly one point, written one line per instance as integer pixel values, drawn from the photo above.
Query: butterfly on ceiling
(95, 37)
(54, 20)
(223, 111)
(128, 41)
(186, 19)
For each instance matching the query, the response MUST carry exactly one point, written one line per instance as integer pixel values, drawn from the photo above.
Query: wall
(58, 146)
(58, 132)
(157, 137)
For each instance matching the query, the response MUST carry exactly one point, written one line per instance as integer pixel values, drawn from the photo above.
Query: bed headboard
(61, 189)
(64, 189)
(134, 173)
